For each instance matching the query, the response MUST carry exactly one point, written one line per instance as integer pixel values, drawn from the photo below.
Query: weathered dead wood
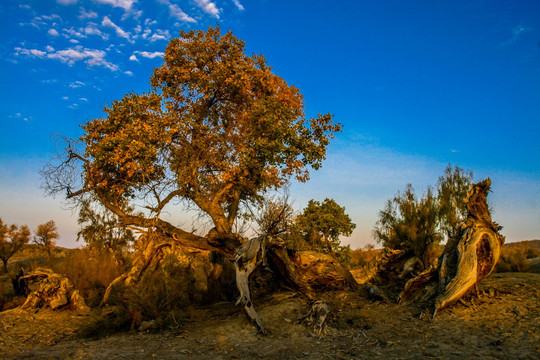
(465, 261)
(316, 316)
(305, 271)
(52, 290)
(247, 257)
(384, 277)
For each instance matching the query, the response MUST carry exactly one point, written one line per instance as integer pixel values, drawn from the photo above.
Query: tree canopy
(323, 223)
(12, 239)
(452, 190)
(411, 223)
(217, 130)
(46, 235)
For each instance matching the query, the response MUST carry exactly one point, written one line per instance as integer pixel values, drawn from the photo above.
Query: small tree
(46, 235)
(321, 225)
(409, 223)
(12, 239)
(452, 190)
(275, 215)
(415, 224)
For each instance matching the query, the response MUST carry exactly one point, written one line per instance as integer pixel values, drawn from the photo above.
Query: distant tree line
(13, 238)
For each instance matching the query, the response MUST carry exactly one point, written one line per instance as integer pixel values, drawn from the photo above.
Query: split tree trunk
(466, 260)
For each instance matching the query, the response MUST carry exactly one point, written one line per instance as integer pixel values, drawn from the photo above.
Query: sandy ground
(504, 323)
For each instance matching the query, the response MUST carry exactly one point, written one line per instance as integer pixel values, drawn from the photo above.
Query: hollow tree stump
(466, 260)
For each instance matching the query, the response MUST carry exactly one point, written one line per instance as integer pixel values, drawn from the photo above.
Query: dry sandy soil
(504, 323)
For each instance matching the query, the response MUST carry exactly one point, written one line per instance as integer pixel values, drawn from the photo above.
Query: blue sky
(416, 84)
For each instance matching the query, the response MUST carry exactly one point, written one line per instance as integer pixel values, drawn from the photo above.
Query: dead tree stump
(466, 260)
(52, 290)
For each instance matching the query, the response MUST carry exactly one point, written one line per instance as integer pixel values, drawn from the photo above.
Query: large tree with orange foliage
(217, 130)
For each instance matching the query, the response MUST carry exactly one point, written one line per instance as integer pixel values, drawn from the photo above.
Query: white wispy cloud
(149, 55)
(149, 22)
(119, 31)
(127, 5)
(124, 4)
(208, 7)
(84, 14)
(133, 58)
(66, 2)
(129, 73)
(30, 52)
(238, 5)
(157, 35)
(92, 29)
(36, 22)
(20, 116)
(70, 56)
(146, 33)
(76, 84)
(517, 31)
(39, 22)
(53, 32)
(71, 33)
(175, 11)
(51, 17)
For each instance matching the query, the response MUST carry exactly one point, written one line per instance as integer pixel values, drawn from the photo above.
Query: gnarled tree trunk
(466, 260)
(51, 290)
(305, 271)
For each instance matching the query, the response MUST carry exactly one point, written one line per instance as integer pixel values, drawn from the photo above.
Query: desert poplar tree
(216, 131)
(12, 239)
(46, 235)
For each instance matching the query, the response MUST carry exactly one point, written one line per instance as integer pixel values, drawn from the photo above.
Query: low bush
(90, 271)
(361, 257)
(514, 258)
(162, 293)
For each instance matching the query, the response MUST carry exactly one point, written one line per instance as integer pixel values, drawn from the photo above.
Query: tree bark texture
(52, 290)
